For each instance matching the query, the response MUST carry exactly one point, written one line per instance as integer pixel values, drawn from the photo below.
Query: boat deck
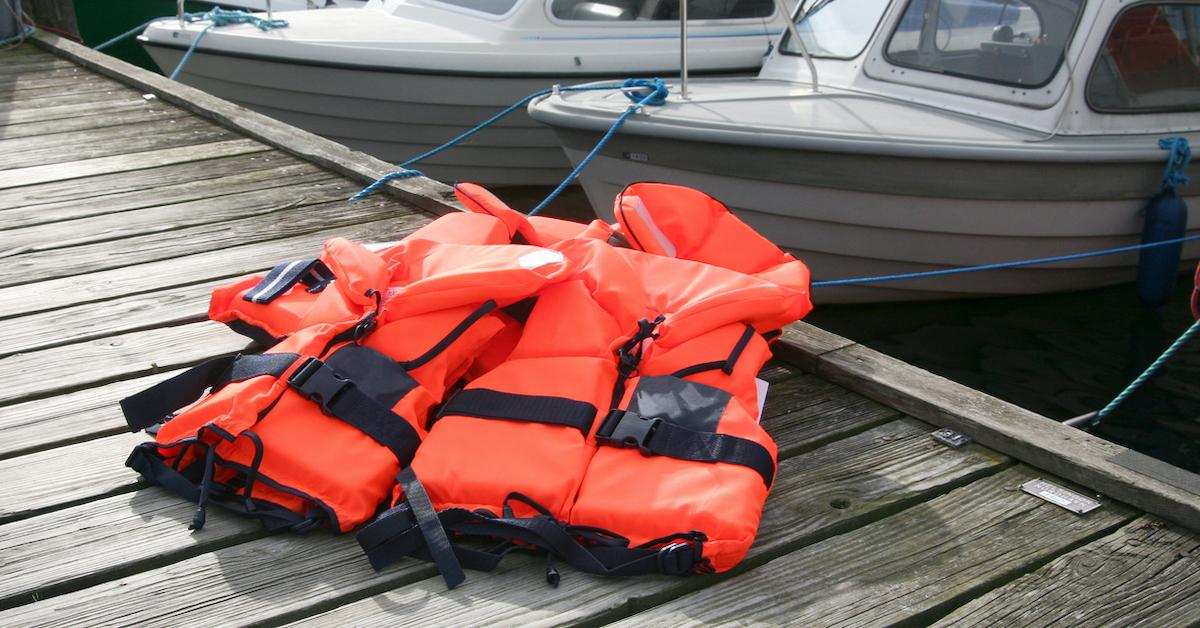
(119, 212)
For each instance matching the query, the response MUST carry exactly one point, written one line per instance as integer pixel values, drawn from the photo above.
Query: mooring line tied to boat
(216, 17)
(642, 92)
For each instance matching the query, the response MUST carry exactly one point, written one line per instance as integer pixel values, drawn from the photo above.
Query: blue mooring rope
(220, 17)
(26, 32)
(656, 96)
(1028, 262)
(1177, 162)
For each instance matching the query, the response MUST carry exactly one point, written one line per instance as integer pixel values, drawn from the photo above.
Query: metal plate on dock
(951, 438)
(1056, 494)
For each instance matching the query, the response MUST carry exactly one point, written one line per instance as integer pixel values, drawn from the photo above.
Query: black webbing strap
(341, 398)
(459, 329)
(654, 436)
(726, 365)
(436, 541)
(312, 272)
(494, 404)
(161, 400)
(395, 534)
(147, 462)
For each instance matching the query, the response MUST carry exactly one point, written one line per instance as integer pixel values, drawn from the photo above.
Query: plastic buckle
(318, 382)
(678, 559)
(623, 428)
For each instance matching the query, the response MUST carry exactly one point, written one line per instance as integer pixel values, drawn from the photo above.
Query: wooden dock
(124, 198)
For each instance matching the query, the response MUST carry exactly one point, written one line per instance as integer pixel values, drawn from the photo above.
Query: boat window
(625, 10)
(495, 7)
(1015, 42)
(1150, 62)
(835, 29)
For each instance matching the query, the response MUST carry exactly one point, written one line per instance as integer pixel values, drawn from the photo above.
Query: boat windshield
(495, 7)
(835, 29)
(1014, 42)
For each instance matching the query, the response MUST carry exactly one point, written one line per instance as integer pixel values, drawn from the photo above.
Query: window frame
(1101, 51)
(787, 37)
(1074, 31)
(558, 21)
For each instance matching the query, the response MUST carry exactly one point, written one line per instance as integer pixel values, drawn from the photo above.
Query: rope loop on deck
(403, 173)
(1177, 162)
(651, 92)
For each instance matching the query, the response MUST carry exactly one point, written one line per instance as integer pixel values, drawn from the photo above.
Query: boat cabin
(1059, 66)
(589, 12)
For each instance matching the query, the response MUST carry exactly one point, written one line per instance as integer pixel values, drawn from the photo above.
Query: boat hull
(393, 115)
(855, 215)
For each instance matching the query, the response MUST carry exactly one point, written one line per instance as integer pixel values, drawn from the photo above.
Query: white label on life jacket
(540, 258)
(377, 246)
(761, 386)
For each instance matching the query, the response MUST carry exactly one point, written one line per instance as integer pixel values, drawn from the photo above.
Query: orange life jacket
(628, 350)
(315, 429)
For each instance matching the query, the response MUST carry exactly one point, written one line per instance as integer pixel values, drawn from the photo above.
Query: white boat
(942, 133)
(399, 77)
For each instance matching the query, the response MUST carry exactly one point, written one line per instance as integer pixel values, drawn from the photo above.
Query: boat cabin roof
(1058, 66)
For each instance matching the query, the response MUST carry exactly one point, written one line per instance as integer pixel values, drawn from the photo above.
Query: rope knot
(651, 92)
(1177, 162)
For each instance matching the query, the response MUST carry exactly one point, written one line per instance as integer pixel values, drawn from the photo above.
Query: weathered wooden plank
(271, 196)
(64, 200)
(231, 262)
(295, 215)
(122, 115)
(20, 67)
(91, 321)
(419, 191)
(802, 344)
(814, 412)
(63, 112)
(74, 417)
(124, 163)
(1060, 449)
(66, 476)
(69, 367)
(69, 97)
(817, 495)
(131, 138)
(909, 567)
(1146, 574)
(106, 539)
(85, 84)
(60, 75)
(301, 576)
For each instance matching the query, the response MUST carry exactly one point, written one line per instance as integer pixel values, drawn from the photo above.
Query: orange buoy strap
(311, 272)
(159, 402)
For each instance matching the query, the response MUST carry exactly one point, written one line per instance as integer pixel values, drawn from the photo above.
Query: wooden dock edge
(427, 194)
(1027, 436)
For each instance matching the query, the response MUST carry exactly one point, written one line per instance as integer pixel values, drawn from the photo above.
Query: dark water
(1059, 355)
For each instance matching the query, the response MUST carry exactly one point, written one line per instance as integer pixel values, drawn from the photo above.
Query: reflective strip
(644, 214)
